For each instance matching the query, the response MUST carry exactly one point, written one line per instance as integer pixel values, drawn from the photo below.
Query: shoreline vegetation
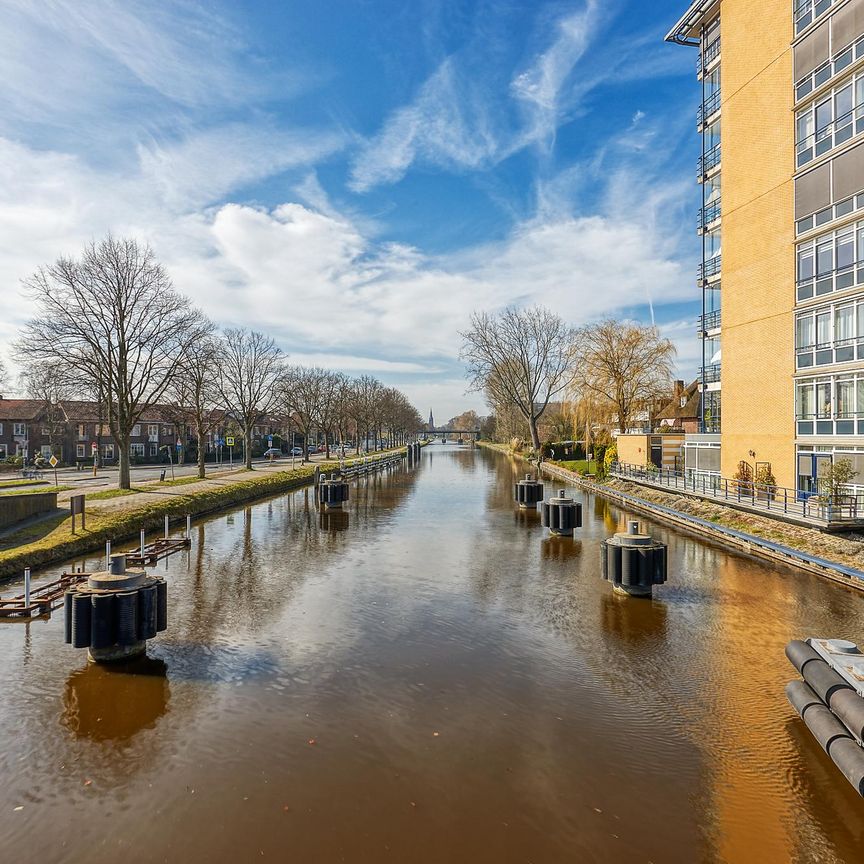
(844, 550)
(121, 516)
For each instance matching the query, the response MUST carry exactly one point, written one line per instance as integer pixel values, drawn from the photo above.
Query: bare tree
(3, 374)
(195, 392)
(251, 367)
(628, 365)
(113, 318)
(330, 384)
(521, 357)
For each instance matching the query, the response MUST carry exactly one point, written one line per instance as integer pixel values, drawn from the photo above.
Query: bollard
(188, 527)
(633, 562)
(561, 515)
(142, 542)
(528, 492)
(166, 527)
(107, 552)
(116, 611)
(27, 589)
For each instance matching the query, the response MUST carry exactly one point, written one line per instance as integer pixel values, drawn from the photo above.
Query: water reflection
(333, 520)
(113, 702)
(560, 548)
(633, 621)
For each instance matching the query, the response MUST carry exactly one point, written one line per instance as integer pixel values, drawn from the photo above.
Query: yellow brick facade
(758, 271)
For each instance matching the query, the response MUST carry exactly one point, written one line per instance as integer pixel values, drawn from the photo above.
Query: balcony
(709, 268)
(708, 108)
(709, 321)
(709, 160)
(708, 214)
(711, 374)
(707, 57)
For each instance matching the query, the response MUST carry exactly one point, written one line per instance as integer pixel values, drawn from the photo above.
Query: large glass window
(831, 262)
(831, 121)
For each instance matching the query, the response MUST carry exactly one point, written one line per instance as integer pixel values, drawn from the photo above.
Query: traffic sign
(220, 442)
(270, 440)
(94, 447)
(229, 441)
(53, 461)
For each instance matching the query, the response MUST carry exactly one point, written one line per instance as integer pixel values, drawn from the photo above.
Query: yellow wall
(758, 275)
(636, 449)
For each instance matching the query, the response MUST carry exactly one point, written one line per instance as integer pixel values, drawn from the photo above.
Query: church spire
(431, 421)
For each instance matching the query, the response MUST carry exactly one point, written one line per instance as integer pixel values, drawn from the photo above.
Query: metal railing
(711, 374)
(708, 268)
(710, 106)
(757, 496)
(709, 321)
(708, 56)
(708, 160)
(708, 214)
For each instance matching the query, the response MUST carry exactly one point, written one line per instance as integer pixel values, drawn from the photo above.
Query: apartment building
(781, 169)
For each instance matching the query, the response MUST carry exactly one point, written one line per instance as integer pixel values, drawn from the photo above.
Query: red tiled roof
(21, 409)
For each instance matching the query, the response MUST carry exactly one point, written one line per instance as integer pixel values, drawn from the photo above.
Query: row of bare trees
(109, 326)
(522, 359)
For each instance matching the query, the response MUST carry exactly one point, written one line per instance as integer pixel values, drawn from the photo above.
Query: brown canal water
(430, 678)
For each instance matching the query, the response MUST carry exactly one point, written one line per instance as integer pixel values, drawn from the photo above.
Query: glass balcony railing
(838, 424)
(841, 351)
(708, 160)
(710, 106)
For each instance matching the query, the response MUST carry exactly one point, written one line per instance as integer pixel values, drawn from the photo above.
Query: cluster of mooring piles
(830, 700)
(632, 561)
(116, 611)
(413, 453)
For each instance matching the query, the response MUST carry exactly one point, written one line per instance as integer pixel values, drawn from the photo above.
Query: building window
(108, 451)
(45, 450)
(136, 450)
(830, 334)
(1, 428)
(831, 262)
(3, 452)
(831, 405)
(136, 431)
(19, 429)
(153, 433)
(807, 11)
(830, 121)
(80, 451)
(82, 430)
(154, 449)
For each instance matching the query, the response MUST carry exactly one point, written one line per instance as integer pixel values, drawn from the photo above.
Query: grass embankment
(51, 539)
(842, 549)
(10, 484)
(38, 491)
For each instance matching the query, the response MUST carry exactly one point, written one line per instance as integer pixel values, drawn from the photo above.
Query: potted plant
(766, 484)
(832, 499)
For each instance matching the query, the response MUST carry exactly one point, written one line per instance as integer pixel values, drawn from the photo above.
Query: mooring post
(107, 553)
(142, 542)
(166, 527)
(188, 526)
(27, 589)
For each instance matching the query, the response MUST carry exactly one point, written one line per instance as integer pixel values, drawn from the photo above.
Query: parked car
(296, 451)
(312, 448)
(272, 453)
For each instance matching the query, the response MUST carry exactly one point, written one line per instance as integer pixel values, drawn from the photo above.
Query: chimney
(679, 389)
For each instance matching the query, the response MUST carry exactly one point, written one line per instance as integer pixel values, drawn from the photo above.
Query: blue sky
(356, 177)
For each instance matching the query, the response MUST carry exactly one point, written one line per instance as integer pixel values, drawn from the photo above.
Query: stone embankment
(839, 550)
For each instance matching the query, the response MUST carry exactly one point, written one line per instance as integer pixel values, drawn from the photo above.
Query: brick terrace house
(682, 411)
(21, 428)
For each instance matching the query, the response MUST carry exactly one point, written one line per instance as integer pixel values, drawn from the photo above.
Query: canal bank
(830, 556)
(116, 516)
(435, 679)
